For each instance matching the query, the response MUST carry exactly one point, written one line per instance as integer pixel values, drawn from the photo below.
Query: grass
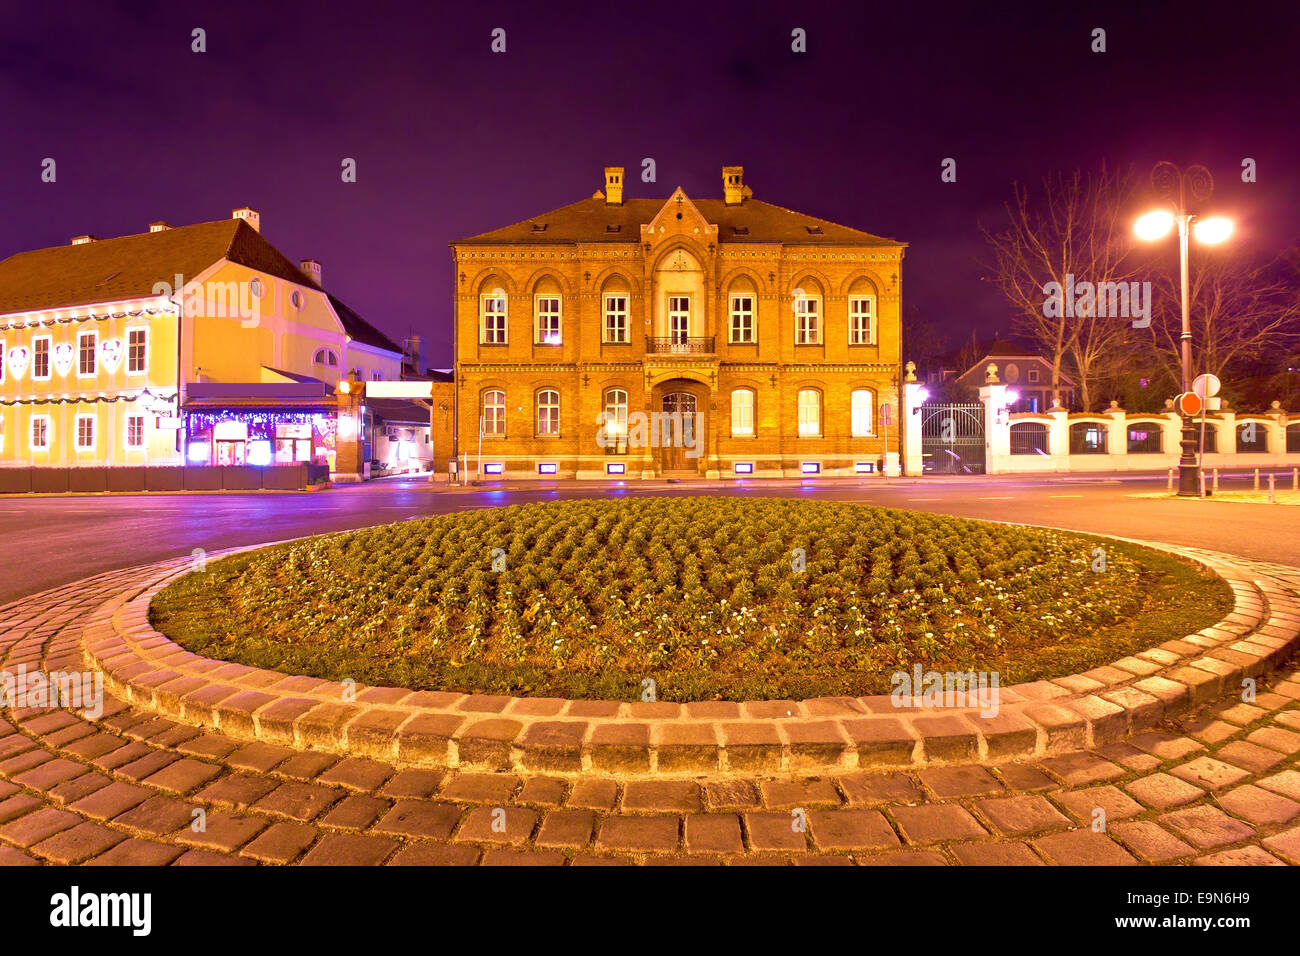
(706, 596)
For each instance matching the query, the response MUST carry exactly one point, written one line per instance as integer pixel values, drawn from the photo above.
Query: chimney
(82, 240)
(250, 216)
(733, 185)
(311, 269)
(159, 226)
(411, 357)
(613, 185)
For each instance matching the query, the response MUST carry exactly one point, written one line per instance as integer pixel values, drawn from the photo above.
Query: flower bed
(711, 598)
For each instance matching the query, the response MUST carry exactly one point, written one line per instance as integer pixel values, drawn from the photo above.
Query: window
(861, 411)
(376, 376)
(679, 318)
(494, 412)
(85, 432)
(810, 413)
(808, 328)
(137, 342)
(357, 373)
(255, 286)
(615, 318)
(296, 297)
(326, 357)
(1029, 438)
(862, 320)
(40, 431)
(86, 345)
(742, 318)
(1145, 439)
(135, 431)
(41, 357)
(1033, 375)
(615, 423)
(2, 360)
(548, 319)
(1087, 438)
(548, 412)
(494, 320)
(742, 413)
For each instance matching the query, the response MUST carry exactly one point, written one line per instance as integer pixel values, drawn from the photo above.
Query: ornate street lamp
(1178, 187)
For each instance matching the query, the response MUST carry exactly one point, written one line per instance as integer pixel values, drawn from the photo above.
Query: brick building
(677, 337)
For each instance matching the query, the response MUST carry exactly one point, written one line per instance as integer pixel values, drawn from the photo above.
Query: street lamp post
(1179, 186)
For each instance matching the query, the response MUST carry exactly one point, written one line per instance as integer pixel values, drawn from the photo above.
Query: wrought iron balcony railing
(678, 344)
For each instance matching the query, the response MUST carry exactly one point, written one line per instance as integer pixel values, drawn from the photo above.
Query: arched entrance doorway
(679, 434)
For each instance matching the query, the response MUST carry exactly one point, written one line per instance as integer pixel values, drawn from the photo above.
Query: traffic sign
(1206, 385)
(1188, 403)
(887, 414)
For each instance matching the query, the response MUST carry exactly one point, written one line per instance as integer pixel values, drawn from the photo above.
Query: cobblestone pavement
(1220, 785)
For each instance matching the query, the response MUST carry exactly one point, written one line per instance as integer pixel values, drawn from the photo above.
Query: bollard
(1257, 479)
(1271, 499)
(1216, 479)
(1171, 480)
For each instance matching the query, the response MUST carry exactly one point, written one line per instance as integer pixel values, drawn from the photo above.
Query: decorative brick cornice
(436, 728)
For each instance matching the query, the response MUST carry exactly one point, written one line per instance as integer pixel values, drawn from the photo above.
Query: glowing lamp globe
(1212, 230)
(1154, 225)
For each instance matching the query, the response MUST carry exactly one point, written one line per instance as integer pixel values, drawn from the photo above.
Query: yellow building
(648, 337)
(110, 348)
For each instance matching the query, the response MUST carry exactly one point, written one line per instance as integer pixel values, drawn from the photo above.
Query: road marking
(1065, 496)
(925, 499)
(997, 497)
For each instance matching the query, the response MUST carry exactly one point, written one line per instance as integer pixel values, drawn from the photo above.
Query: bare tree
(1074, 231)
(1245, 315)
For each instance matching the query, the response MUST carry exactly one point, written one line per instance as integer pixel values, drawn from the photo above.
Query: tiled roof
(361, 330)
(128, 267)
(109, 270)
(591, 220)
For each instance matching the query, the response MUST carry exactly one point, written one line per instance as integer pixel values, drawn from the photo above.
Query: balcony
(679, 344)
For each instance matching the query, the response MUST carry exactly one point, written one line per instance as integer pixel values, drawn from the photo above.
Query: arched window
(742, 413)
(616, 411)
(494, 412)
(548, 412)
(862, 413)
(862, 318)
(810, 413)
(492, 318)
(740, 327)
(326, 357)
(614, 323)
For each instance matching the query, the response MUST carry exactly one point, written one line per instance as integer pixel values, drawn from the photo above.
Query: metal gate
(952, 439)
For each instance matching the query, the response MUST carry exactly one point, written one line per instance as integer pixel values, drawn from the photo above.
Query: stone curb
(458, 730)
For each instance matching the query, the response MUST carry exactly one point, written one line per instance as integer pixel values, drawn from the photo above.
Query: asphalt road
(45, 542)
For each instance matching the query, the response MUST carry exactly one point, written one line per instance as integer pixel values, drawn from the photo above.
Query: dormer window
(327, 357)
(613, 228)
(740, 230)
(814, 230)
(539, 227)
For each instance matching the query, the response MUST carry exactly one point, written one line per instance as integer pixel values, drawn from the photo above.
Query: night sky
(452, 140)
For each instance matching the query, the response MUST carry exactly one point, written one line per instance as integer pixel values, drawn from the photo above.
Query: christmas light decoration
(18, 360)
(110, 353)
(63, 356)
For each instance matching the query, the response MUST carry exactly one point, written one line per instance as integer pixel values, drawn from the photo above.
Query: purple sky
(451, 139)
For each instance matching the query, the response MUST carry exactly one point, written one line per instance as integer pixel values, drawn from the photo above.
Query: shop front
(260, 424)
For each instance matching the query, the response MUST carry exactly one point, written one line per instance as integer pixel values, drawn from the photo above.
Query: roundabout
(687, 599)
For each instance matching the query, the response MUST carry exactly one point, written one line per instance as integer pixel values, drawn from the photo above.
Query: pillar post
(348, 440)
